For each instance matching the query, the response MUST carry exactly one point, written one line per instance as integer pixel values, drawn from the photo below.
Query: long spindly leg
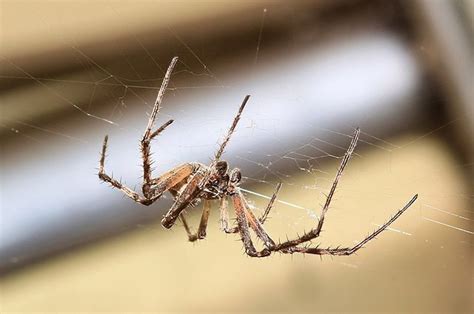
(106, 178)
(189, 193)
(231, 130)
(253, 222)
(163, 183)
(204, 218)
(201, 233)
(243, 227)
(224, 217)
(270, 204)
(224, 212)
(149, 134)
(191, 236)
(145, 145)
(351, 250)
(169, 180)
(314, 233)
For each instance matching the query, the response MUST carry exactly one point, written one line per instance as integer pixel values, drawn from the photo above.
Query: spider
(192, 182)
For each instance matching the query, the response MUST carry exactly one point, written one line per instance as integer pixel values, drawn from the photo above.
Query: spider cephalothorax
(192, 182)
(221, 182)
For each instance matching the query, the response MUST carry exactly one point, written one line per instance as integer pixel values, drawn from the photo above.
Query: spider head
(233, 181)
(235, 176)
(221, 168)
(218, 180)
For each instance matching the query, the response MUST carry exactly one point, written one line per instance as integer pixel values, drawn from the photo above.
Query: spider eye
(221, 167)
(235, 176)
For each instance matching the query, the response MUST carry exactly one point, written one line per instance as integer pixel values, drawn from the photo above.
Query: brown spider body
(216, 184)
(193, 182)
(203, 183)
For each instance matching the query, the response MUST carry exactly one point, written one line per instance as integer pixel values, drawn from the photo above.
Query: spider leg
(201, 233)
(224, 217)
(163, 183)
(240, 202)
(314, 233)
(191, 236)
(243, 227)
(106, 178)
(349, 251)
(190, 192)
(160, 96)
(232, 129)
(169, 180)
(145, 145)
(270, 204)
(204, 218)
(150, 194)
(149, 135)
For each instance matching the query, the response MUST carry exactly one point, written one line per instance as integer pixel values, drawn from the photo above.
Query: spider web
(113, 96)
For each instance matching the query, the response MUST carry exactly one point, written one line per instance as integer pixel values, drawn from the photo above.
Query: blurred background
(74, 71)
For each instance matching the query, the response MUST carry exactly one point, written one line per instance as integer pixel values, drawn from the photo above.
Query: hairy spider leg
(145, 143)
(245, 218)
(106, 178)
(270, 204)
(261, 233)
(291, 246)
(206, 209)
(352, 250)
(189, 192)
(170, 180)
(243, 227)
(224, 212)
(254, 223)
(192, 190)
(224, 217)
(163, 183)
(152, 188)
(314, 233)
(201, 233)
(231, 130)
